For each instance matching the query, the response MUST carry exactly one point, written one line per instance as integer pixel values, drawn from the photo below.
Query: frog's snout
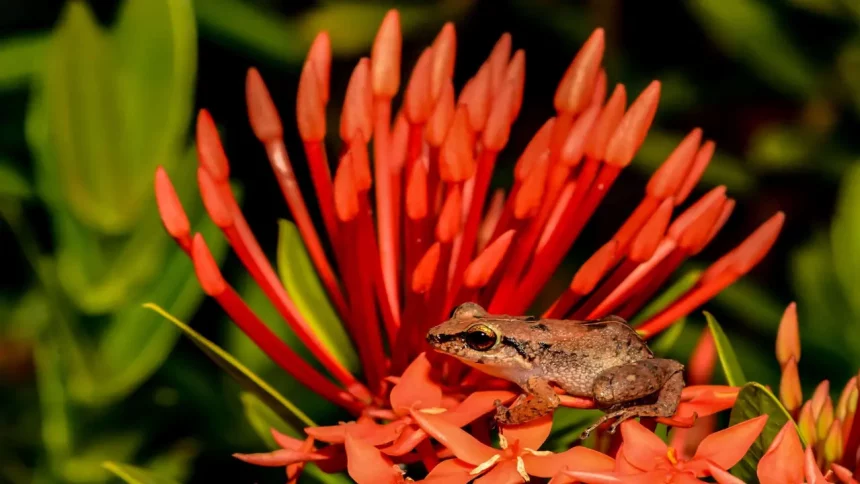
(433, 338)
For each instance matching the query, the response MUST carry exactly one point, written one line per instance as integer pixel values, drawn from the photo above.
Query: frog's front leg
(542, 401)
(617, 390)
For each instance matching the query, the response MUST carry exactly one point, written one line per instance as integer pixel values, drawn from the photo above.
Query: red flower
(425, 240)
(518, 457)
(643, 457)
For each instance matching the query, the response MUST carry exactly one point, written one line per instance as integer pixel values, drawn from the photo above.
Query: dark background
(775, 84)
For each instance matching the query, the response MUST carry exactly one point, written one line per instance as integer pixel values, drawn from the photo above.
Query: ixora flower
(832, 436)
(643, 457)
(407, 235)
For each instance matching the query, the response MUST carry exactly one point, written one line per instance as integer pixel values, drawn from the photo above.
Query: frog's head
(480, 340)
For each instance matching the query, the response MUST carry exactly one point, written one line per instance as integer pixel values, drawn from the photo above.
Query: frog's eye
(480, 337)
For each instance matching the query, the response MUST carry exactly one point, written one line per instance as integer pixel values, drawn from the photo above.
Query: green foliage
(754, 400)
(247, 379)
(136, 475)
(285, 40)
(750, 31)
(728, 360)
(106, 106)
(305, 289)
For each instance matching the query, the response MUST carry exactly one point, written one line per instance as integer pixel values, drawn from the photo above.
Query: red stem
(282, 354)
(321, 177)
(562, 306)
(647, 287)
(385, 208)
(547, 260)
(289, 187)
(502, 300)
(486, 164)
(245, 244)
(368, 265)
(609, 284)
(682, 306)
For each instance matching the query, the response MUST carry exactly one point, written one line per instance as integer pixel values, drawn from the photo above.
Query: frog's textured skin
(603, 359)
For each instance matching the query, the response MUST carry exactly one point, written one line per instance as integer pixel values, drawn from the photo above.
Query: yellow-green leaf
(304, 286)
(263, 419)
(754, 400)
(247, 379)
(136, 475)
(728, 358)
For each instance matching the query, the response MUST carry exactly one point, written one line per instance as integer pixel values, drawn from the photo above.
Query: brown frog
(602, 359)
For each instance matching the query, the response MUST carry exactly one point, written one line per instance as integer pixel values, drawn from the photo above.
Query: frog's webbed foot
(524, 409)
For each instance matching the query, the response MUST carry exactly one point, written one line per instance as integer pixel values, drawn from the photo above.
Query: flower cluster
(410, 231)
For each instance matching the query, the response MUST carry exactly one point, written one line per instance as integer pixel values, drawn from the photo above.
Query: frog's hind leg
(542, 401)
(656, 383)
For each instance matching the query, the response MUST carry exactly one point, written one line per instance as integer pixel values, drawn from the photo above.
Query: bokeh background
(94, 95)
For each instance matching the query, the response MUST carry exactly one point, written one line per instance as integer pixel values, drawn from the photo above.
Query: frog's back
(581, 350)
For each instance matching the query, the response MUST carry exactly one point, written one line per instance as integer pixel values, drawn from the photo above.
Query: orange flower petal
(475, 405)
(416, 387)
(366, 464)
(843, 474)
(280, 457)
(782, 460)
(726, 447)
(451, 471)
(622, 465)
(609, 478)
(723, 476)
(811, 470)
(370, 432)
(457, 440)
(502, 473)
(579, 458)
(406, 442)
(642, 448)
(530, 435)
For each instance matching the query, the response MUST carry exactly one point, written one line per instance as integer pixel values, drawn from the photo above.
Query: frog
(603, 359)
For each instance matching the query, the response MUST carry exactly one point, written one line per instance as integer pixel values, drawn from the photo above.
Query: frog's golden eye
(480, 337)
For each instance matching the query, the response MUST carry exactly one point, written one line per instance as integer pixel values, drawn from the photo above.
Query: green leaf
(19, 60)
(754, 400)
(263, 419)
(57, 438)
(728, 359)
(82, 114)
(136, 475)
(84, 466)
(275, 37)
(107, 107)
(848, 67)
(750, 31)
(304, 286)
(666, 341)
(238, 344)
(12, 184)
(248, 380)
(176, 462)
(845, 236)
(135, 342)
(156, 48)
(783, 147)
(567, 427)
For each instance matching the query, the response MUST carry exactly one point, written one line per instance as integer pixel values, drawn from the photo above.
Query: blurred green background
(95, 94)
